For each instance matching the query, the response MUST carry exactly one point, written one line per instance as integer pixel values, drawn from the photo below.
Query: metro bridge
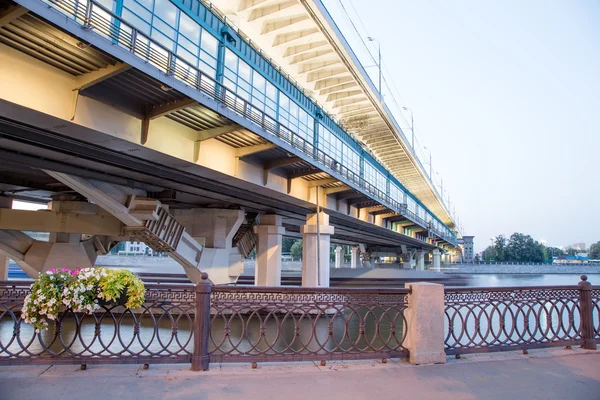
(163, 122)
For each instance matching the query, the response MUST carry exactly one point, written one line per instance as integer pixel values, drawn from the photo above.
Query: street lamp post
(430, 169)
(412, 125)
(372, 39)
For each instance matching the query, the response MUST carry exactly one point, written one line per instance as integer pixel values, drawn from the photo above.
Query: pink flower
(53, 270)
(74, 271)
(64, 270)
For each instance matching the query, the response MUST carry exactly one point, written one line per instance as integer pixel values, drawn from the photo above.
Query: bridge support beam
(339, 256)
(424, 321)
(354, 257)
(316, 235)
(436, 259)
(268, 251)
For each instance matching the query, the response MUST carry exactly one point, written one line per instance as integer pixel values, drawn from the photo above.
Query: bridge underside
(76, 120)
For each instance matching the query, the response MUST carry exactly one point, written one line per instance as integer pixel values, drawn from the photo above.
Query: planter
(120, 301)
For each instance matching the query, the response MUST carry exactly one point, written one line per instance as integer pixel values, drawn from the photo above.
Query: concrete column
(339, 256)
(316, 274)
(436, 259)
(354, 257)
(420, 260)
(3, 267)
(268, 251)
(425, 323)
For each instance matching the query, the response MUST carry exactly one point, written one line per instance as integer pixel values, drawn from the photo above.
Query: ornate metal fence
(293, 324)
(202, 324)
(495, 319)
(160, 331)
(595, 303)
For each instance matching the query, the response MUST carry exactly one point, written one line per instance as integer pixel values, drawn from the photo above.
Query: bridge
(206, 131)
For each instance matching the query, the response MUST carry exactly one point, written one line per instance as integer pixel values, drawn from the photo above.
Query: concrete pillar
(436, 259)
(420, 260)
(425, 323)
(339, 256)
(268, 251)
(3, 267)
(316, 274)
(354, 257)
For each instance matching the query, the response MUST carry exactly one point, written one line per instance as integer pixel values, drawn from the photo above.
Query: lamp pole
(430, 169)
(372, 39)
(412, 125)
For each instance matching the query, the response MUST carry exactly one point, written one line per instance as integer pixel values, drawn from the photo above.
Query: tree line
(523, 248)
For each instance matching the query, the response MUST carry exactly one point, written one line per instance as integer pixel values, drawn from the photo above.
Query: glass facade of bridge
(196, 41)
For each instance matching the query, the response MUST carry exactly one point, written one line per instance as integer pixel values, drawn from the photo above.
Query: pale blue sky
(507, 96)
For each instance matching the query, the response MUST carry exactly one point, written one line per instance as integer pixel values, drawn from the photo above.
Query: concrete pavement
(542, 374)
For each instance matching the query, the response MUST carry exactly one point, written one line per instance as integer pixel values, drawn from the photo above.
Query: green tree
(570, 251)
(296, 250)
(500, 248)
(553, 252)
(594, 253)
(286, 244)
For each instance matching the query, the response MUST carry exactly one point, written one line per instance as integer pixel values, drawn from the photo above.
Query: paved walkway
(543, 374)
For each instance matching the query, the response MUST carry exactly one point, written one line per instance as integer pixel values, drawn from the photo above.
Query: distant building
(134, 249)
(578, 246)
(578, 259)
(466, 245)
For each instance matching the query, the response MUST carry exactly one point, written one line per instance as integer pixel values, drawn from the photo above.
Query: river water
(498, 280)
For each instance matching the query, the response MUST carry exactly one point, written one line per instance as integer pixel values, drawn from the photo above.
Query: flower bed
(81, 291)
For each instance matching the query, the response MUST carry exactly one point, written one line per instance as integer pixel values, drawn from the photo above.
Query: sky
(506, 95)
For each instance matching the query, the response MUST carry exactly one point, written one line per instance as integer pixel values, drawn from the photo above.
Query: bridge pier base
(420, 260)
(354, 257)
(339, 256)
(316, 237)
(268, 251)
(436, 259)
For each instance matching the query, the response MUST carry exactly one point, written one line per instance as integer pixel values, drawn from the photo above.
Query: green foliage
(119, 280)
(45, 299)
(78, 290)
(296, 250)
(286, 244)
(518, 248)
(594, 252)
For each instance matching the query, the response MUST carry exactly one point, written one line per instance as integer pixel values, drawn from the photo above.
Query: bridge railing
(201, 324)
(93, 16)
(521, 318)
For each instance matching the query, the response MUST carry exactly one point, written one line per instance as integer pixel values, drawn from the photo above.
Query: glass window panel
(244, 71)
(138, 10)
(136, 21)
(231, 60)
(166, 11)
(209, 44)
(163, 29)
(189, 28)
(271, 92)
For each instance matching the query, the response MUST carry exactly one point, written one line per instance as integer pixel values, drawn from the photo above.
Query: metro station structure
(205, 131)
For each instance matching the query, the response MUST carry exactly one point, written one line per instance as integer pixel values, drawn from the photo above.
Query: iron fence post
(587, 324)
(200, 357)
